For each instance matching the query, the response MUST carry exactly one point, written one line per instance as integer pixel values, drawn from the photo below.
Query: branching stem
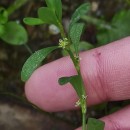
(76, 62)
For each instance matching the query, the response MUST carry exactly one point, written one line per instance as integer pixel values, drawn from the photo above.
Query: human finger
(119, 120)
(106, 74)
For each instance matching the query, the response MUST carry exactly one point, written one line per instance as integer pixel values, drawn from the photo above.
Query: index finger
(106, 74)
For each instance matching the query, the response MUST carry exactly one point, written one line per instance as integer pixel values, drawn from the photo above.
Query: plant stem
(83, 104)
(83, 121)
(76, 62)
(17, 4)
(28, 48)
(63, 35)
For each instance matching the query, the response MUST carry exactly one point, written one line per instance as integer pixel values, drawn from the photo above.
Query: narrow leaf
(34, 61)
(14, 34)
(47, 15)
(75, 81)
(56, 6)
(58, 9)
(94, 124)
(32, 21)
(82, 10)
(75, 34)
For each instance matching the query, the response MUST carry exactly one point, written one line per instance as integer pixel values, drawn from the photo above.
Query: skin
(106, 74)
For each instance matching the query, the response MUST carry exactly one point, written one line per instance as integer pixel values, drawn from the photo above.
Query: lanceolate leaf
(34, 61)
(75, 34)
(82, 10)
(75, 81)
(47, 15)
(56, 6)
(32, 21)
(94, 124)
(58, 9)
(14, 34)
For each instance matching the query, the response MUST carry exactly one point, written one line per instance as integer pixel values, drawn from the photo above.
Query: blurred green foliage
(120, 27)
(12, 32)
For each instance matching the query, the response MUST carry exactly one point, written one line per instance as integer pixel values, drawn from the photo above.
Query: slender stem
(28, 48)
(73, 59)
(76, 63)
(17, 4)
(63, 35)
(84, 121)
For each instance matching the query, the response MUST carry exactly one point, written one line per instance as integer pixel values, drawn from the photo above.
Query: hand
(106, 74)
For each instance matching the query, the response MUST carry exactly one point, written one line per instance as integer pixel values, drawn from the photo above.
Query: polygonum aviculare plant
(52, 14)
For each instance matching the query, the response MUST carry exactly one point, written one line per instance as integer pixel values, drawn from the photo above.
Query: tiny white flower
(63, 43)
(78, 103)
(84, 97)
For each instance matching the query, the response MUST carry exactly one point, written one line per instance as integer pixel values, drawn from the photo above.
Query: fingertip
(43, 90)
(104, 70)
(118, 120)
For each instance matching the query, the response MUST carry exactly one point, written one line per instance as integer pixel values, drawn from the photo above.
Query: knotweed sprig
(52, 14)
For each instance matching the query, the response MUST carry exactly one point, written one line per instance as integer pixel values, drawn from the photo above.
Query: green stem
(76, 63)
(84, 121)
(83, 100)
(83, 104)
(73, 59)
(63, 35)
(17, 4)
(28, 48)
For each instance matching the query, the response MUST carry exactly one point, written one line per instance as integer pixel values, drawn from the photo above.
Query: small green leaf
(81, 11)
(32, 21)
(3, 15)
(94, 124)
(14, 34)
(56, 6)
(34, 61)
(75, 81)
(75, 34)
(47, 15)
(58, 9)
(64, 80)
